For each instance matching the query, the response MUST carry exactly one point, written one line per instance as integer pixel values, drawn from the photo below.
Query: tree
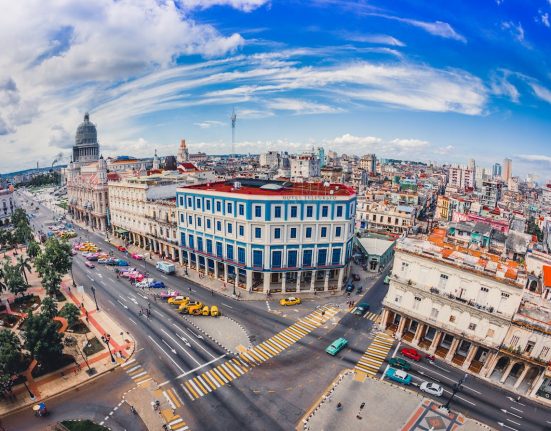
(71, 312)
(51, 281)
(13, 279)
(52, 263)
(3, 286)
(10, 352)
(33, 249)
(49, 308)
(24, 265)
(42, 339)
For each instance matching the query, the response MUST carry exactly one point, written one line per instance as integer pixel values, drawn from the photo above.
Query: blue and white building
(268, 236)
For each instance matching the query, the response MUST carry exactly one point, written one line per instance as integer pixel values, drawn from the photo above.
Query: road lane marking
(122, 304)
(193, 340)
(518, 410)
(516, 423)
(202, 366)
(169, 357)
(226, 305)
(133, 321)
(181, 347)
(121, 297)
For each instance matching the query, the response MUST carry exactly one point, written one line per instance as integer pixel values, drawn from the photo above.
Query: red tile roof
(547, 275)
(293, 189)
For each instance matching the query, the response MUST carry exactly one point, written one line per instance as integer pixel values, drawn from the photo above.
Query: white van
(166, 267)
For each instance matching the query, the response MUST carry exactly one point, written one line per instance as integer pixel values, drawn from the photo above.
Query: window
(208, 222)
(529, 347)
(325, 211)
(218, 206)
(338, 230)
(293, 233)
(292, 259)
(405, 266)
(472, 326)
(339, 211)
(388, 220)
(294, 211)
(544, 352)
(219, 226)
(323, 232)
(277, 212)
(241, 255)
(241, 230)
(504, 295)
(241, 209)
(230, 228)
(307, 258)
(336, 258)
(190, 220)
(181, 201)
(257, 211)
(182, 219)
(207, 204)
(310, 211)
(219, 249)
(199, 221)
(416, 302)
(198, 203)
(257, 232)
(322, 257)
(199, 243)
(229, 251)
(229, 207)
(434, 313)
(183, 239)
(308, 232)
(514, 340)
(276, 259)
(189, 202)
(209, 246)
(257, 259)
(452, 318)
(277, 233)
(398, 299)
(191, 241)
(484, 289)
(443, 280)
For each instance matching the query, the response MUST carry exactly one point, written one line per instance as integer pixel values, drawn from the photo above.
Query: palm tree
(3, 286)
(23, 263)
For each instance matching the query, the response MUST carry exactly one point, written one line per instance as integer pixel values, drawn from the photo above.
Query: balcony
(525, 356)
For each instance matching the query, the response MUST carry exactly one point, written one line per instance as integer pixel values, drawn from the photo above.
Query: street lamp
(106, 338)
(29, 391)
(95, 300)
(456, 388)
(72, 276)
(234, 284)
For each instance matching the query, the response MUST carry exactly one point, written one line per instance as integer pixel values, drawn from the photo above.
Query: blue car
(157, 284)
(122, 262)
(398, 376)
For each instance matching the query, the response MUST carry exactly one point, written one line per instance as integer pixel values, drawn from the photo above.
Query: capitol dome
(86, 147)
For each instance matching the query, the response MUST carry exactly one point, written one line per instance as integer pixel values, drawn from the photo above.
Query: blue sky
(442, 81)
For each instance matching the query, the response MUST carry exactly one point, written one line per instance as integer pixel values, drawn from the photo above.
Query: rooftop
(248, 186)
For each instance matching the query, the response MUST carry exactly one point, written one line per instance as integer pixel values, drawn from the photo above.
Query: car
(136, 256)
(291, 300)
(386, 280)
(359, 289)
(121, 248)
(142, 284)
(92, 256)
(350, 288)
(177, 300)
(157, 284)
(122, 262)
(89, 264)
(432, 388)
(355, 277)
(336, 346)
(205, 311)
(169, 293)
(192, 307)
(399, 376)
(399, 363)
(411, 353)
(361, 309)
(214, 311)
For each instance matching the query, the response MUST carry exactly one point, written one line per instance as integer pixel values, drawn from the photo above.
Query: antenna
(233, 121)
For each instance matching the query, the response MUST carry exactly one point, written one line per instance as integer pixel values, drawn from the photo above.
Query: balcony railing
(516, 351)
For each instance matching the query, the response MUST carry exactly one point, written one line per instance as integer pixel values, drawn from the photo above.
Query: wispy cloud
(243, 5)
(300, 106)
(207, 124)
(378, 39)
(539, 158)
(515, 29)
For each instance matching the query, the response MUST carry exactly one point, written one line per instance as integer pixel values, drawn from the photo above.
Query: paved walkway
(225, 331)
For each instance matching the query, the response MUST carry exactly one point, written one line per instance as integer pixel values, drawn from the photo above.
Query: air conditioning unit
(236, 185)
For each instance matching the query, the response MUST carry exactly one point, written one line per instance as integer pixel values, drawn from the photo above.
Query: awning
(121, 230)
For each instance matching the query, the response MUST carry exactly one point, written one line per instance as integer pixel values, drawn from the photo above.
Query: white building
(461, 178)
(7, 205)
(305, 166)
(268, 236)
(269, 159)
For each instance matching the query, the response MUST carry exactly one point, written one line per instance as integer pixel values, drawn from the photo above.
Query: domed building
(86, 147)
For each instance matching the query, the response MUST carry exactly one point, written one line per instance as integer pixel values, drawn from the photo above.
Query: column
(453, 349)
(341, 278)
(173, 253)
(470, 356)
(216, 269)
(283, 282)
(267, 281)
(507, 372)
(298, 281)
(313, 282)
(488, 367)
(225, 272)
(418, 332)
(522, 376)
(401, 327)
(181, 260)
(326, 281)
(249, 277)
(537, 383)
(435, 342)
(384, 318)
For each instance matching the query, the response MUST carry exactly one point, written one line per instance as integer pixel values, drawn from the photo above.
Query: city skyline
(351, 77)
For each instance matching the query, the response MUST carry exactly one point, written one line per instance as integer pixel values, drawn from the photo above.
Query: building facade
(305, 166)
(86, 148)
(7, 205)
(268, 236)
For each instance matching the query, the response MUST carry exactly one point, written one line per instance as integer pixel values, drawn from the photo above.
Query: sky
(418, 80)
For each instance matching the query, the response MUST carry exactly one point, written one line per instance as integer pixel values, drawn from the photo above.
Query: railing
(524, 355)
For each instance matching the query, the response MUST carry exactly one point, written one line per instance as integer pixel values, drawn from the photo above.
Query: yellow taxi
(291, 300)
(177, 300)
(214, 311)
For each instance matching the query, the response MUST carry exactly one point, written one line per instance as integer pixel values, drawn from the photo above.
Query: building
(127, 163)
(305, 166)
(394, 219)
(491, 193)
(507, 170)
(7, 205)
(87, 179)
(143, 209)
(460, 178)
(369, 163)
(376, 251)
(471, 164)
(269, 159)
(183, 153)
(496, 170)
(268, 236)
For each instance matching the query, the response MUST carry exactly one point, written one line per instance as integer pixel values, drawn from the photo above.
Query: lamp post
(456, 388)
(234, 284)
(106, 338)
(29, 391)
(72, 276)
(95, 300)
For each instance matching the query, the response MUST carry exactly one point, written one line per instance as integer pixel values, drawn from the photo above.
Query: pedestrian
(212, 292)
(362, 405)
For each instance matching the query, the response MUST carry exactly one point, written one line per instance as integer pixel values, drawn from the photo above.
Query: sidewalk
(75, 375)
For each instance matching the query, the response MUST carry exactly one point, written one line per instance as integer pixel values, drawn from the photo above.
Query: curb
(208, 336)
(244, 330)
(75, 420)
(324, 397)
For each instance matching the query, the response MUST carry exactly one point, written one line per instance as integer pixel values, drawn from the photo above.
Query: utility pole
(456, 388)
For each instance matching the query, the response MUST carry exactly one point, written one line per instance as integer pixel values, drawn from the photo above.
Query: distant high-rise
(507, 170)
(183, 154)
(472, 164)
(496, 170)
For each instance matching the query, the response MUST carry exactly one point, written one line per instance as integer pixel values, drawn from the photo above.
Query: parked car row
(195, 308)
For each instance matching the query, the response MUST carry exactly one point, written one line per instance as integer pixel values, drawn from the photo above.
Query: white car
(432, 388)
(144, 283)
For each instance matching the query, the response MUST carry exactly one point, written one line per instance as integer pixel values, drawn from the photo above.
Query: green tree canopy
(48, 308)
(56, 256)
(13, 279)
(42, 339)
(33, 249)
(71, 312)
(10, 352)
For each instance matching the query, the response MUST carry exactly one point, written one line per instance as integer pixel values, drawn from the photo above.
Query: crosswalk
(136, 372)
(374, 317)
(232, 369)
(373, 358)
(173, 420)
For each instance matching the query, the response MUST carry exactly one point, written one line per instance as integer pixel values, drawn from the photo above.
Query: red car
(89, 264)
(121, 248)
(411, 353)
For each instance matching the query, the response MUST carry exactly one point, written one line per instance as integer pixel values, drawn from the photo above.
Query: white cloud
(544, 18)
(409, 144)
(541, 92)
(207, 124)
(516, 30)
(299, 106)
(379, 39)
(397, 147)
(501, 86)
(243, 5)
(59, 137)
(436, 28)
(535, 158)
